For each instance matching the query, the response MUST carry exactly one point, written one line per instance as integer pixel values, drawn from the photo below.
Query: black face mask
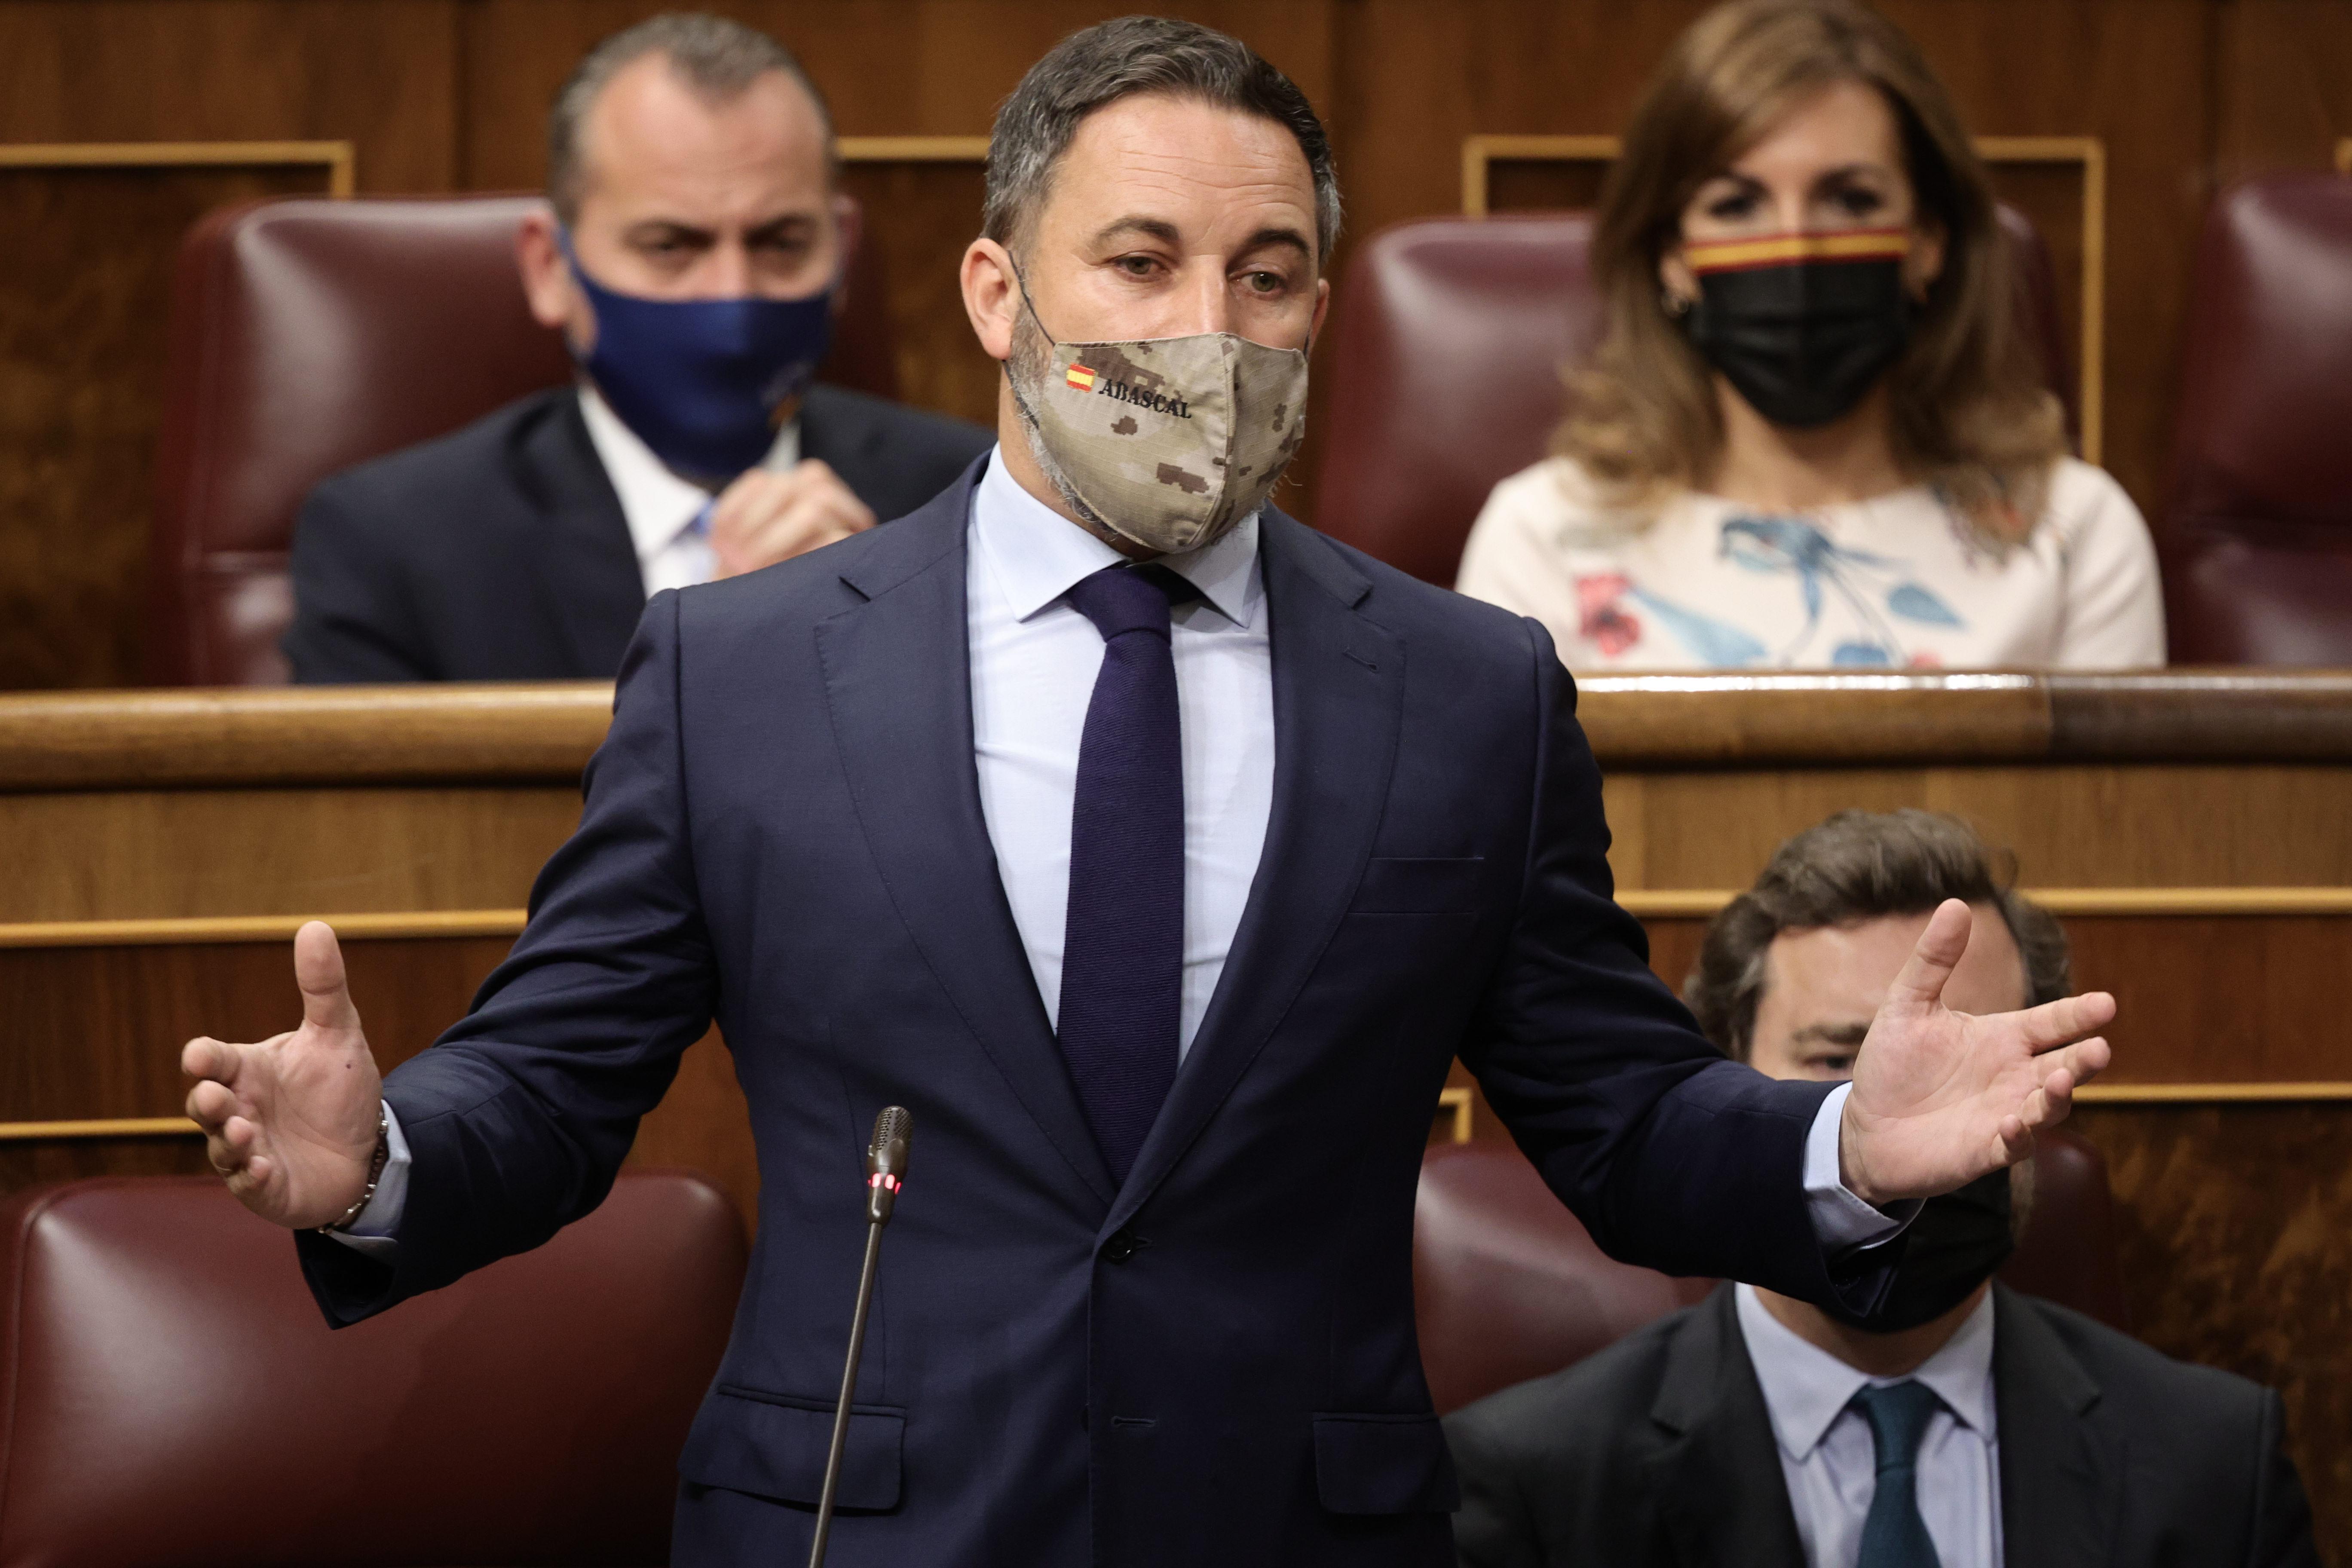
(1951, 1248)
(1803, 325)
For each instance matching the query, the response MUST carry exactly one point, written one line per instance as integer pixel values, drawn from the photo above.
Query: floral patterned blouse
(1896, 582)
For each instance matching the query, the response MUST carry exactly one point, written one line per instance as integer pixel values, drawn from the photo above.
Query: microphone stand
(886, 1170)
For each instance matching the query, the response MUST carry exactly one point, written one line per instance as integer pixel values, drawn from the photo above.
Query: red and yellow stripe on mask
(1789, 250)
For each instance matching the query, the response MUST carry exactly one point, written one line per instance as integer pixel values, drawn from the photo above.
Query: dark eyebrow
(1848, 171)
(664, 228)
(1288, 238)
(1830, 1034)
(1155, 228)
(789, 224)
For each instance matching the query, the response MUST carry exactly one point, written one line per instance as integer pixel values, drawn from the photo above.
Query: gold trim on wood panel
(2089, 152)
(1478, 151)
(1685, 903)
(913, 149)
(340, 159)
(2209, 1094)
(207, 928)
(113, 1127)
(1457, 1101)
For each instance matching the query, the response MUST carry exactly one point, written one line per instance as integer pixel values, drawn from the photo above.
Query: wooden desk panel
(2071, 825)
(97, 855)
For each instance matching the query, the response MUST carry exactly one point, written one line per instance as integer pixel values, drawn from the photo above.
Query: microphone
(886, 1173)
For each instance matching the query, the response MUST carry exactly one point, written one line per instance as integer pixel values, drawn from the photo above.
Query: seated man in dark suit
(692, 259)
(1758, 1429)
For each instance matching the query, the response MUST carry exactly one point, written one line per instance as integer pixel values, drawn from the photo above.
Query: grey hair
(1863, 866)
(717, 58)
(1112, 60)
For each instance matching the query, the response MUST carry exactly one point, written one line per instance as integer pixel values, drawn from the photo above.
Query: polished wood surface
(328, 734)
(448, 95)
(2234, 1221)
(520, 732)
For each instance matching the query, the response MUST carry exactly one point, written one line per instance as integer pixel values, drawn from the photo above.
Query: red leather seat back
(2068, 1253)
(308, 335)
(171, 1393)
(1507, 1285)
(2256, 535)
(1447, 342)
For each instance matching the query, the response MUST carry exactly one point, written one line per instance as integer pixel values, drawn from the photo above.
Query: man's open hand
(764, 518)
(292, 1123)
(1941, 1098)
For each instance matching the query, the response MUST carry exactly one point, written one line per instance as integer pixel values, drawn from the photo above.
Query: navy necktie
(1123, 947)
(1893, 1533)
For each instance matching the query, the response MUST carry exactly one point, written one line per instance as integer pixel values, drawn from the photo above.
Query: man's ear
(991, 296)
(1322, 308)
(547, 283)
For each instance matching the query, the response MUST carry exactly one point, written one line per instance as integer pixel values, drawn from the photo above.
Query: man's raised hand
(291, 1122)
(1941, 1098)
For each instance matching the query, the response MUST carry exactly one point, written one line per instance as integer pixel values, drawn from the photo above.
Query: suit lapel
(1339, 696)
(588, 576)
(899, 683)
(2058, 1492)
(1716, 1483)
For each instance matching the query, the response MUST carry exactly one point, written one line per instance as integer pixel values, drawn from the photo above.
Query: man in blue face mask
(691, 256)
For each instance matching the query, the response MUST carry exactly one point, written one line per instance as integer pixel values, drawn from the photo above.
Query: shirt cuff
(375, 1231)
(1841, 1219)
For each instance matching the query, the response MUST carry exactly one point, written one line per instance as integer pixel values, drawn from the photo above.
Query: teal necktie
(1893, 1535)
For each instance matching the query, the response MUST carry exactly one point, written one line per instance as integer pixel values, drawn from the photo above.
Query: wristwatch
(375, 1173)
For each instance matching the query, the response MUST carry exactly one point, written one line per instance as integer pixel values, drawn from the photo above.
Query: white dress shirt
(1830, 1462)
(1033, 663)
(662, 509)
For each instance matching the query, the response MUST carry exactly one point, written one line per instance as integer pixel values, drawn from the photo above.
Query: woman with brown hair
(1813, 435)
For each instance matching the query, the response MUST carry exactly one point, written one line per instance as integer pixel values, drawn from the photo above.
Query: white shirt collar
(1806, 1388)
(657, 505)
(1037, 554)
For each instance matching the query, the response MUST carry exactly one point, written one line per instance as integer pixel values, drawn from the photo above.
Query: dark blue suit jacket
(500, 552)
(1214, 1363)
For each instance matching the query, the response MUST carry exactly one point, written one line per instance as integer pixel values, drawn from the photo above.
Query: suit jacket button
(1121, 1247)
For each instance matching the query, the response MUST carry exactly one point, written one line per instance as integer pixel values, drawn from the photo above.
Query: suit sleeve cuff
(375, 1231)
(1842, 1220)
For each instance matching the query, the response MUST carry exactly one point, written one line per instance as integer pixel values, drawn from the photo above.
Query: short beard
(1027, 370)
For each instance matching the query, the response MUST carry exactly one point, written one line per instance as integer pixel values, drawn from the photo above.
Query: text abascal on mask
(1084, 378)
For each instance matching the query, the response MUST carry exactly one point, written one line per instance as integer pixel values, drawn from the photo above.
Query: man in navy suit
(690, 255)
(1159, 853)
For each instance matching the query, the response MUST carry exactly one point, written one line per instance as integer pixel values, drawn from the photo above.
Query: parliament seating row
(159, 1345)
(308, 335)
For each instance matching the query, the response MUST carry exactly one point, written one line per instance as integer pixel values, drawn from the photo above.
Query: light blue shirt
(1831, 1464)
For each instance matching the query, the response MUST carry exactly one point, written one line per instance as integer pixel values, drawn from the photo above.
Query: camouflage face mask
(1167, 441)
